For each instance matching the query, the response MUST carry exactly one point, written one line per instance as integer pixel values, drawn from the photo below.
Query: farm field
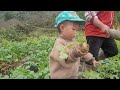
(26, 56)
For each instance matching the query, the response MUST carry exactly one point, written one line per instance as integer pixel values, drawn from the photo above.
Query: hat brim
(81, 21)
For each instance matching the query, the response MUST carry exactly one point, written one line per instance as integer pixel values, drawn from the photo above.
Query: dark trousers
(108, 46)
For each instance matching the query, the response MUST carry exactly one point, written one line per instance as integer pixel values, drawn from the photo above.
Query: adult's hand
(106, 29)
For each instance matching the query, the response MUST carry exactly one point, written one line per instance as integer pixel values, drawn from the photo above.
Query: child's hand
(81, 50)
(88, 57)
(95, 63)
(90, 60)
(75, 51)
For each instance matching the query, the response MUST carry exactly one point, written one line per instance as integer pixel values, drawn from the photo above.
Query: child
(67, 67)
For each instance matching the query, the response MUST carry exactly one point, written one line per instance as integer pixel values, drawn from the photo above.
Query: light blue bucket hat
(68, 15)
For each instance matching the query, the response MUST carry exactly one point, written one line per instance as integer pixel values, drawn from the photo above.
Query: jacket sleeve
(90, 15)
(88, 57)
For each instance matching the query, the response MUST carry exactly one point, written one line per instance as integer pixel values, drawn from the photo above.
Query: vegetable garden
(25, 56)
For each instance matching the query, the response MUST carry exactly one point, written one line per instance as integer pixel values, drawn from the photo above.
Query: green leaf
(9, 56)
(60, 48)
(6, 77)
(69, 46)
(63, 55)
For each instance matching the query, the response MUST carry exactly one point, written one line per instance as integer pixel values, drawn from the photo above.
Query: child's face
(69, 29)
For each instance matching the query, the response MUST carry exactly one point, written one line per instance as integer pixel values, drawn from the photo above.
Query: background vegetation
(26, 39)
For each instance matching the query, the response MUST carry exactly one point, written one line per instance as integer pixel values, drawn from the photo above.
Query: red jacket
(105, 17)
